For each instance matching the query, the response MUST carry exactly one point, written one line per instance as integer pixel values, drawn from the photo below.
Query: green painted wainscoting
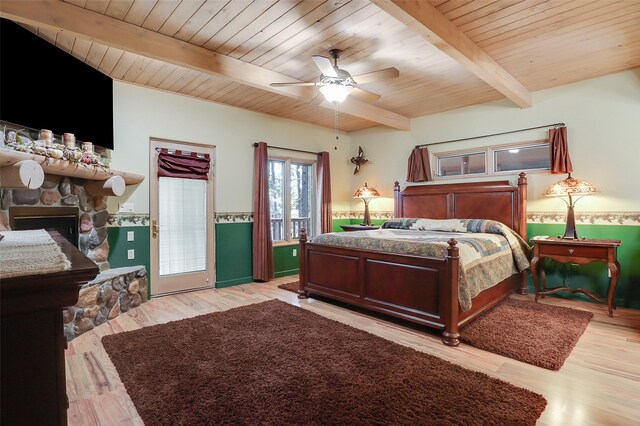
(234, 261)
(337, 222)
(284, 261)
(594, 276)
(119, 246)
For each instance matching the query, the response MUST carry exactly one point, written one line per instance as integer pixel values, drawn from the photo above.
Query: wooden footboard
(418, 289)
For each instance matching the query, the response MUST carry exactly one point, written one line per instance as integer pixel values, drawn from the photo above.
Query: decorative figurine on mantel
(44, 142)
(359, 160)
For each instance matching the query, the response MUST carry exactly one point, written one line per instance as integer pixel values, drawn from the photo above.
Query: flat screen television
(44, 87)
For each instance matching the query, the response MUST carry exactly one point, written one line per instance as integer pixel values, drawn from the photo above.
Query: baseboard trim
(287, 273)
(235, 281)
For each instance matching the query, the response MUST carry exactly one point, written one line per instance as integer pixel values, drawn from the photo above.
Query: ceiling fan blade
(379, 75)
(364, 95)
(291, 84)
(324, 65)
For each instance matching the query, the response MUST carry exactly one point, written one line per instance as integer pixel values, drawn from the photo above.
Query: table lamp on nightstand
(366, 194)
(571, 187)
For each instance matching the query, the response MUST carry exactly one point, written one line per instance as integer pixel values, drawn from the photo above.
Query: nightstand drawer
(573, 251)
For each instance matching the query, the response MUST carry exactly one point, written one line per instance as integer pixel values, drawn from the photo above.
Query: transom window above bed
(291, 198)
(493, 160)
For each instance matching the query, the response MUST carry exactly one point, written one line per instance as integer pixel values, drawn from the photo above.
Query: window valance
(185, 165)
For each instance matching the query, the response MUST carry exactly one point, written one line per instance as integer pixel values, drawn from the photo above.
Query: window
(533, 157)
(291, 198)
(528, 156)
(182, 211)
(462, 164)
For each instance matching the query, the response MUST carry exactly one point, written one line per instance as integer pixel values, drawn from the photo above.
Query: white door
(182, 226)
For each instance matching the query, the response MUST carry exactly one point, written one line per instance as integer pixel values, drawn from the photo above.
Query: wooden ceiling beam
(434, 27)
(85, 24)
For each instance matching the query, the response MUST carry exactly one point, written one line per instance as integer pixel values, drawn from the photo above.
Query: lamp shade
(366, 193)
(335, 92)
(570, 186)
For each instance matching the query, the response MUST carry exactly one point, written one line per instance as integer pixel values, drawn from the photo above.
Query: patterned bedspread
(489, 250)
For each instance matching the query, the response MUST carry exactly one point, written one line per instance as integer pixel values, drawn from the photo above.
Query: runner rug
(274, 363)
(535, 333)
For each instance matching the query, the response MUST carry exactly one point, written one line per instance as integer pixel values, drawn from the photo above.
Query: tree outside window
(291, 198)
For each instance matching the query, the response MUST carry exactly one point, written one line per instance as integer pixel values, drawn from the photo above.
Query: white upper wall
(603, 123)
(140, 114)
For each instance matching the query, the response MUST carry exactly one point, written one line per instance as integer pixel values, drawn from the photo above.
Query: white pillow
(448, 225)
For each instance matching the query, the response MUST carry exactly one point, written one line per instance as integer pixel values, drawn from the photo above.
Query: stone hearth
(110, 294)
(66, 192)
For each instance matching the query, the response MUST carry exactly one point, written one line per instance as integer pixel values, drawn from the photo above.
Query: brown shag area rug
(290, 286)
(273, 363)
(538, 334)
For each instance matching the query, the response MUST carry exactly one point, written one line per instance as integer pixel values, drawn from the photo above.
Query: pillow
(398, 224)
(448, 225)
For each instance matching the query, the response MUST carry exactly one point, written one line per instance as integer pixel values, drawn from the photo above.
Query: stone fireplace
(62, 203)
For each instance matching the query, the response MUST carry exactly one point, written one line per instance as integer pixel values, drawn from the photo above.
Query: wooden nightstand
(581, 251)
(351, 228)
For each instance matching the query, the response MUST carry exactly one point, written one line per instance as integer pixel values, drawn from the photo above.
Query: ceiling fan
(336, 84)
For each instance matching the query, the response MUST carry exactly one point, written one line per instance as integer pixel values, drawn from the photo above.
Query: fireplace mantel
(60, 167)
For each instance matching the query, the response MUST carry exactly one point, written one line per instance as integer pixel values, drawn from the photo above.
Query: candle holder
(47, 137)
(87, 147)
(69, 140)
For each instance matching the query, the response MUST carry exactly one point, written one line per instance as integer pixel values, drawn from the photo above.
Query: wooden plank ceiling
(540, 43)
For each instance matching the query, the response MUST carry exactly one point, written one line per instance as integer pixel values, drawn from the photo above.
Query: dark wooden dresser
(33, 389)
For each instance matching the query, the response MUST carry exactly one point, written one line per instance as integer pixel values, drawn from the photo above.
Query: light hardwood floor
(598, 384)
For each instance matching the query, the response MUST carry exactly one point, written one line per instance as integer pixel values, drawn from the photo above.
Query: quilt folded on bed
(489, 250)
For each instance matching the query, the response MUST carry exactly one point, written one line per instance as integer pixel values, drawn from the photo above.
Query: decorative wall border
(128, 219)
(359, 215)
(556, 217)
(234, 217)
(587, 218)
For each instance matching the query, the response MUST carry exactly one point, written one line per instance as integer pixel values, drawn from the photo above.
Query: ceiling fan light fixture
(336, 92)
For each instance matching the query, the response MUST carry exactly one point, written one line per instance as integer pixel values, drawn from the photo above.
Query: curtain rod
(255, 145)
(492, 134)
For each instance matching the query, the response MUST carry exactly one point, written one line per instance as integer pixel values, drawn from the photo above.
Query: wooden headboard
(496, 200)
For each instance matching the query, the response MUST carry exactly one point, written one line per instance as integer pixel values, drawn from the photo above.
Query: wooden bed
(419, 289)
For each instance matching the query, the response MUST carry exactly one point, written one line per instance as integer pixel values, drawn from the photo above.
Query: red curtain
(262, 245)
(183, 165)
(559, 151)
(419, 169)
(324, 193)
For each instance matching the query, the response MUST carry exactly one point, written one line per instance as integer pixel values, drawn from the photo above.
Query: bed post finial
(450, 335)
(302, 279)
(396, 186)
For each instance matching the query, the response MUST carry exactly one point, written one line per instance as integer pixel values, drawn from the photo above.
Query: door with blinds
(182, 218)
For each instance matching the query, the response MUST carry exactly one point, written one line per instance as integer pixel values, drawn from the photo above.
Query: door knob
(155, 229)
